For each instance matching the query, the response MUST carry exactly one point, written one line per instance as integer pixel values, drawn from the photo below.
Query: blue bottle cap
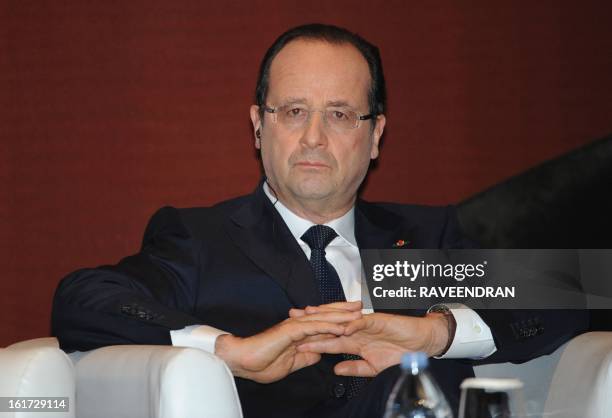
(414, 360)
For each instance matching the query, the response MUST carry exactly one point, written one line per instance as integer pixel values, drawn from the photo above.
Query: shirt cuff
(196, 336)
(473, 338)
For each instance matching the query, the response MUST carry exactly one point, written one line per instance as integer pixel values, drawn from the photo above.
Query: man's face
(314, 162)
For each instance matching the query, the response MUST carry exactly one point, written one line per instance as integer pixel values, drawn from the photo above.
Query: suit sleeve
(521, 334)
(137, 301)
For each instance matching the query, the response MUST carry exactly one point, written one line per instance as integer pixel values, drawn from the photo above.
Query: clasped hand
(272, 354)
(379, 339)
(297, 342)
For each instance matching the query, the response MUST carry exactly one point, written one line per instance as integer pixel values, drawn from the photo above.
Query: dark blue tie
(318, 237)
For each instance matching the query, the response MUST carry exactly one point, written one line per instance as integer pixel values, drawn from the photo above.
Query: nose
(314, 135)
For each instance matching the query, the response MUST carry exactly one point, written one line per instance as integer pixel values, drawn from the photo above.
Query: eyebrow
(301, 100)
(338, 103)
(294, 100)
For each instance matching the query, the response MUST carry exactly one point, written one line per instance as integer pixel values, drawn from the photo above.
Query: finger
(349, 306)
(355, 368)
(328, 345)
(297, 331)
(296, 313)
(333, 316)
(317, 337)
(309, 310)
(335, 306)
(354, 326)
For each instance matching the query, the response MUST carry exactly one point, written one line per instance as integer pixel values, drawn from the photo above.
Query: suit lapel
(376, 227)
(379, 228)
(262, 235)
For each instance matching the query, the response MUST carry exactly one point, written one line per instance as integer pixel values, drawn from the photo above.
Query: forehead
(319, 72)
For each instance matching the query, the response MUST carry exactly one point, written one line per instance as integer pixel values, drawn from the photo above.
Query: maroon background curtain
(109, 110)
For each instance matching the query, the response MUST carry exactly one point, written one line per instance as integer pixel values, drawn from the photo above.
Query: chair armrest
(582, 383)
(37, 368)
(154, 382)
(535, 374)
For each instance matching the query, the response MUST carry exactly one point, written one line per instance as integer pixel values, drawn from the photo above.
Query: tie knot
(319, 236)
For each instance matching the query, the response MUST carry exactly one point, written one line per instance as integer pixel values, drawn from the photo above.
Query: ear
(256, 121)
(376, 135)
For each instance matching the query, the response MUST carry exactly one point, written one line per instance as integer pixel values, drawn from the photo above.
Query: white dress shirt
(473, 338)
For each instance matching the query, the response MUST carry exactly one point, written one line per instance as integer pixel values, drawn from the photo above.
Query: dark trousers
(371, 402)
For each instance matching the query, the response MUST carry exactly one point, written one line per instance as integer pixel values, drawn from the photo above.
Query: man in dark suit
(271, 282)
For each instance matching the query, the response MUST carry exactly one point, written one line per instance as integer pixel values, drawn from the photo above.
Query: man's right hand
(271, 355)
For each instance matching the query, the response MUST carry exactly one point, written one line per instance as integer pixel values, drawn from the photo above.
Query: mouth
(311, 164)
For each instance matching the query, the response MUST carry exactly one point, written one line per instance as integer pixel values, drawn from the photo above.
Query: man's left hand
(381, 339)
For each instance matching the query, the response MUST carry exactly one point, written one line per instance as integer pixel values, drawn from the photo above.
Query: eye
(295, 112)
(339, 115)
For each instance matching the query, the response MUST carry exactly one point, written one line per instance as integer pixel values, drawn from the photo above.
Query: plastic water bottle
(416, 394)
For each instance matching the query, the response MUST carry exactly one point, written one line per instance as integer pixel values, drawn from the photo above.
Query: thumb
(355, 368)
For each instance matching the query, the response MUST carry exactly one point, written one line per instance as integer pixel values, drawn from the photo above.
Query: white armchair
(164, 382)
(574, 381)
(582, 383)
(147, 381)
(37, 369)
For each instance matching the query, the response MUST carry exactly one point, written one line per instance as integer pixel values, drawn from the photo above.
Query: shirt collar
(344, 225)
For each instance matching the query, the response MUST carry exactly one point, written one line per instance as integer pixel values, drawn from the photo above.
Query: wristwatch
(450, 321)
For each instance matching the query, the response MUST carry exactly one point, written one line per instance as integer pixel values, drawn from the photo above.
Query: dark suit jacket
(236, 266)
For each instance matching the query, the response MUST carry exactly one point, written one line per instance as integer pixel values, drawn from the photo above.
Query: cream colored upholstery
(574, 381)
(154, 382)
(37, 368)
(582, 383)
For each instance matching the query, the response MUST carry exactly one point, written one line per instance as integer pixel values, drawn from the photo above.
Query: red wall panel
(109, 110)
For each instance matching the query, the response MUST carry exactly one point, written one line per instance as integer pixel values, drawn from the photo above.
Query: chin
(313, 189)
